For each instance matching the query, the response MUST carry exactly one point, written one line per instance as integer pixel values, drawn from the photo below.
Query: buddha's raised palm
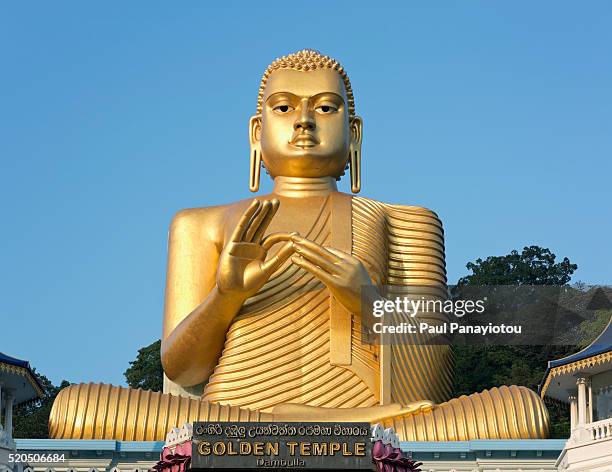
(243, 268)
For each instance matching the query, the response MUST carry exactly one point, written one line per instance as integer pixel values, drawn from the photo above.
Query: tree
(483, 367)
(146, 371)
(534, 266)
(31, 419)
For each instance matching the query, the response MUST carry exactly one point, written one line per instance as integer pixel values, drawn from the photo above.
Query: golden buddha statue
(262, 313)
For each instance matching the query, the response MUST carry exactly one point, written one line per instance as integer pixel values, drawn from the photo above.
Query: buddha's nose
(305, 120)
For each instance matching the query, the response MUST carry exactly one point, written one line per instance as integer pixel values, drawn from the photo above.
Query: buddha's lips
(304, 140)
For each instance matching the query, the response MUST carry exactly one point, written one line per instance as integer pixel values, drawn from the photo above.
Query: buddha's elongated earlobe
(255, 147)
(255, 168)
(355, 154)
(355, 167)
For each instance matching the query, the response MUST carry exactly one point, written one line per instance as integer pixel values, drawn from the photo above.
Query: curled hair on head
(307, 60)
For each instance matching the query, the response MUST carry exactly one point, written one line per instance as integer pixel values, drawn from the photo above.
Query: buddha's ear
(255, 129)
(255, 144)
(356, 127)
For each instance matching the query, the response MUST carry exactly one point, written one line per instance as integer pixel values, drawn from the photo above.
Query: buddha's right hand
(243, 268)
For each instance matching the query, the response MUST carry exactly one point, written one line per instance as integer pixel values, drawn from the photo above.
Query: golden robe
(294, 343)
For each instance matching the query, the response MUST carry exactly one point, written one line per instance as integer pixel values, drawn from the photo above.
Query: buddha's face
(304, 129)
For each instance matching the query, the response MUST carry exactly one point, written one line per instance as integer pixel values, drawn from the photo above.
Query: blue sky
(114, 115)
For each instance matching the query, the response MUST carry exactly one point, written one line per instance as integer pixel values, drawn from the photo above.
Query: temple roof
(603, 343)
(14, 361)
(594, 358)
(17, 375)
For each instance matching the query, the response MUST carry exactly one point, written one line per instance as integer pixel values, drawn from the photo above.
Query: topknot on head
(307, 60)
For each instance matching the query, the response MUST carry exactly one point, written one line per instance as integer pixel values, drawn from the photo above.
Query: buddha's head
(305, 124)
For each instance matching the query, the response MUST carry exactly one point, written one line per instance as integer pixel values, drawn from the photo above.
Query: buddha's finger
(341, 254)
(315, 270)
(277, 260)
(274, 238)
(299, 241)
(256, 221)
(263, 226)
(316, 258)
(243, 223)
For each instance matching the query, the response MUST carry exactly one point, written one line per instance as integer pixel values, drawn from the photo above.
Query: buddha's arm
(206, 287)
(196, 315)
(190, 353)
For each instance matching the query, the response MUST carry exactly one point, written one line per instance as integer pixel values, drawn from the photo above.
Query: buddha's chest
(340, 222)
(306, 216)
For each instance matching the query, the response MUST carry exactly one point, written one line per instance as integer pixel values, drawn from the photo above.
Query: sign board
(289, 446)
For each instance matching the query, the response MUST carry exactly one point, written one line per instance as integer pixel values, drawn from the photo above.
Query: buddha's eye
(325, 109)
(282, 109)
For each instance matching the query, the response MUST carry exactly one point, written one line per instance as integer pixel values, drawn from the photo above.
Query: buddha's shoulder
(399, 210)
(211, 220)
(216, 212)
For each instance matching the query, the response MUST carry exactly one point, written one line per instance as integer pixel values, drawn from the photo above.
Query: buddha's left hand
(341, 272)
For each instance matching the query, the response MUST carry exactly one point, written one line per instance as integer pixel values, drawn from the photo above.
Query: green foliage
(589, 329)
(31, 419)
(559, 413)
(146, 371)
(482, 367)
(534, 266)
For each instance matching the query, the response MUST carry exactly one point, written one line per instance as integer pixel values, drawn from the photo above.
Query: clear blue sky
(114, 115)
